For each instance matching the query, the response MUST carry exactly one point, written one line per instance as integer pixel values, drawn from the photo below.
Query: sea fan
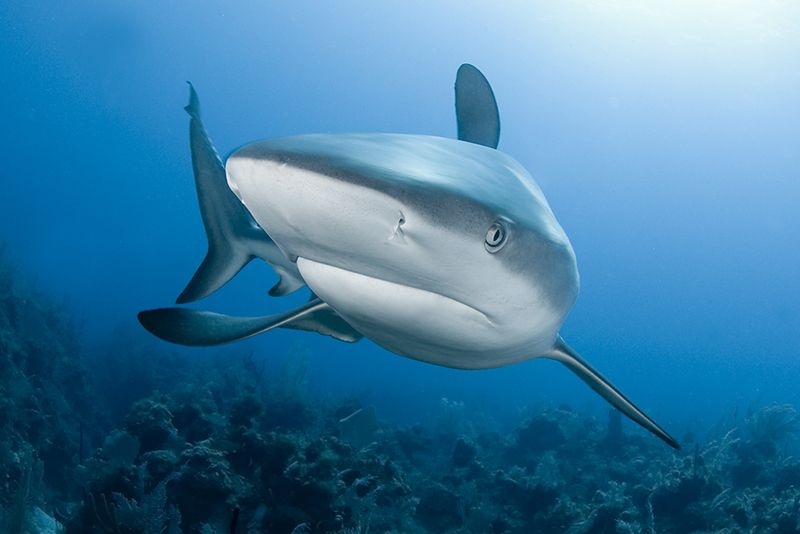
(151, 515)
(772, 423)
(16, 516)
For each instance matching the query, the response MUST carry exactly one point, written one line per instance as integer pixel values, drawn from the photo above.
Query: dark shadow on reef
(231, 449)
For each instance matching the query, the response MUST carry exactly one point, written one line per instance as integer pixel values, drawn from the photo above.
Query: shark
(439, 250)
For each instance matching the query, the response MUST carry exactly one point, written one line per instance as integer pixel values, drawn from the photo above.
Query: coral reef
(47, 403)
(557, 472)
(213, 447)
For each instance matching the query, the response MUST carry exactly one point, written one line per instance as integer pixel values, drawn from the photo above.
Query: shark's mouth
(397, 316)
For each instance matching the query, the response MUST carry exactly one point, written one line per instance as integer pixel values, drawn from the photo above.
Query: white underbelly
(415, 323)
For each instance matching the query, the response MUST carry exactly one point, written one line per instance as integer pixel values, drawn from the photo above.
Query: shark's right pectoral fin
(234, 237)
(575, 363)
(199, 328)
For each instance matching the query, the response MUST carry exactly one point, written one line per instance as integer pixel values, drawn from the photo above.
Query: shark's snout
(315, 214)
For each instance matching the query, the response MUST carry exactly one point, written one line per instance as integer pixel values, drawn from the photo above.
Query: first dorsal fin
(476, 108)
(234, 237)
(575, 363)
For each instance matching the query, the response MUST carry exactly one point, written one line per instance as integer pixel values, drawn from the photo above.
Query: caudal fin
(234, 237)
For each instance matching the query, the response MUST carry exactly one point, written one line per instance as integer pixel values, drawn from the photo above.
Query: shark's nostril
(398, 231)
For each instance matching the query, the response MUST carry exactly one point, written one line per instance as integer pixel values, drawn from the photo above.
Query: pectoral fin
(325, 321)
(575, 363)
(185, 326)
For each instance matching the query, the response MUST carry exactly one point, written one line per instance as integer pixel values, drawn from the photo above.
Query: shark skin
(440, 250)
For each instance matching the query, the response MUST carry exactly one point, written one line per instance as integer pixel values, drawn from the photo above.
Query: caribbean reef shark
(439, 250)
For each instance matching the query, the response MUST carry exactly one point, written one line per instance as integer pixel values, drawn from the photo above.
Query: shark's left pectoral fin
(575, 363)
(199, 328)
(476, 108)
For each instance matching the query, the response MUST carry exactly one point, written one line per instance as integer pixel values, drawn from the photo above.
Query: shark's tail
(234, 237)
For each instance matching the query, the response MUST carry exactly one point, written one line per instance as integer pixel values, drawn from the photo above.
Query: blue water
(666, 139)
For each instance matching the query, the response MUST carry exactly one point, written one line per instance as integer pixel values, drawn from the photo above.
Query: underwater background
(666, 138)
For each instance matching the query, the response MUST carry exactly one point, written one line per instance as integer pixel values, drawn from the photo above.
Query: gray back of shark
(440, 250)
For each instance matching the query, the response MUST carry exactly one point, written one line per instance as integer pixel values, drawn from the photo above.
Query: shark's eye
(496, 236)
